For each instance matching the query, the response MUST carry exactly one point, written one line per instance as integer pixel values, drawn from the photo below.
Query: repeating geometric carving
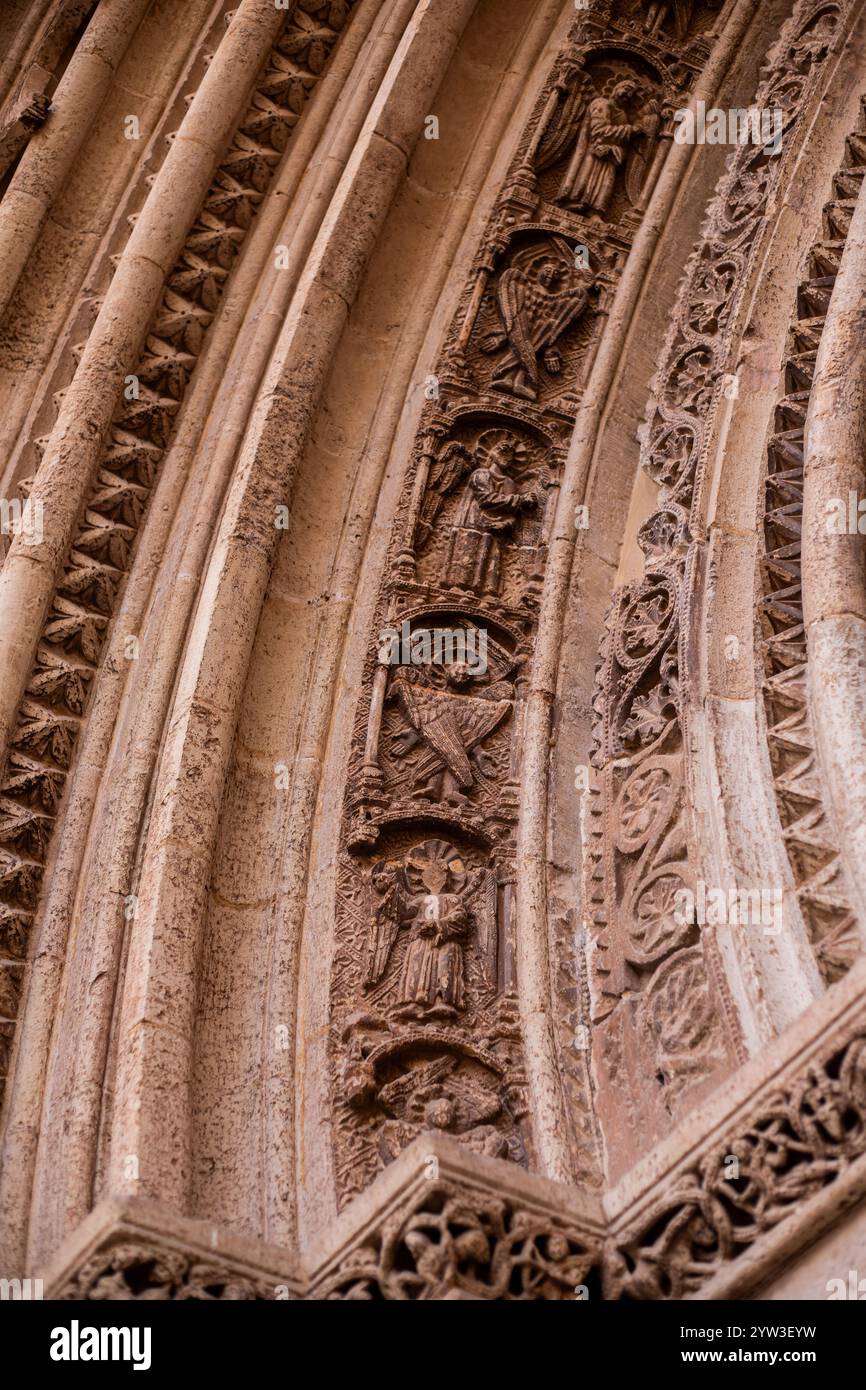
(50, 717)
(809, 836)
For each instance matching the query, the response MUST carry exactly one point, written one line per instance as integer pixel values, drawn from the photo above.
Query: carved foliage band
(659, 991)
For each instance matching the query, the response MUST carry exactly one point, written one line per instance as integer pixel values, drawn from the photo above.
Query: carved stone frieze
(140, 1250)
(452, 1246)
(799, 1139)
(810, 837)
(424, 1025)
(660, 999)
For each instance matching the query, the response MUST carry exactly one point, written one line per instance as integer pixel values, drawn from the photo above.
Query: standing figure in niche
(431, 985)
(489, 510)
(428, 896)
(610, 137)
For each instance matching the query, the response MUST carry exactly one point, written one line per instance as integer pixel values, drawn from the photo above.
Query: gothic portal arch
(431, 690)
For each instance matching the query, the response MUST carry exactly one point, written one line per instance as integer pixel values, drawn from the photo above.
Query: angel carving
(451, 724)
(488, 511)
(426, 897)
(387, 881)
(536, 305)
(608, 135)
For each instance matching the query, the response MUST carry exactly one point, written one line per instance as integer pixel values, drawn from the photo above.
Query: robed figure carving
(538, 297)
(424, 897)
(429, 896)
(487, 511)
(490, 506)
(613, 132)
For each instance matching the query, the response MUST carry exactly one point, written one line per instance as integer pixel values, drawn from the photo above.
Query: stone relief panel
(539, 319)
(456, 1243)
(796, 1141)
(602, 138)
(424, 1024)
(434, 1043)
(660, 1000)
(132, 1270)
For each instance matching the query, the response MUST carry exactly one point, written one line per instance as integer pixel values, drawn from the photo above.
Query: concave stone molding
(51, 714)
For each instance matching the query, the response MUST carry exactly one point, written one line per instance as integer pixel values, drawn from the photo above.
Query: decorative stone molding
(659, 981)
(425, 1015)
(51, 714)
(356, 1020)
(141, 1250)
(765, 1173)
(444, 1223)
(811, 838)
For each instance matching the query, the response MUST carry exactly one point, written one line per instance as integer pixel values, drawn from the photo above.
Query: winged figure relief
(392, 910)
(439, 904)
(537, 302)
(490, 504)
(609, 134)
(446, 472)
(450, 725)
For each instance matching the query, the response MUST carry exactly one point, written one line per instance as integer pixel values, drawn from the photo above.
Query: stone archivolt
(438, 753)
(810, 837)
(658, 980)
(432, 1116)
(42, 745)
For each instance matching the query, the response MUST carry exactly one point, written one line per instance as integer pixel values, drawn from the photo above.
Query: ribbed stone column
(73, 450)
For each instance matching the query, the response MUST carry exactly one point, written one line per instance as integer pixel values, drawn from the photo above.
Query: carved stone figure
(657, 12)
(432, 1097)
(537, 305)
(610, 137)
(490, 507)
(451, 721)
(426, 898)
(448, 1020)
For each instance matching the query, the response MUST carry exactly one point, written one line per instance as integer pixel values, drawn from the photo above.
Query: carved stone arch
(703, 443)
(341, 955)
